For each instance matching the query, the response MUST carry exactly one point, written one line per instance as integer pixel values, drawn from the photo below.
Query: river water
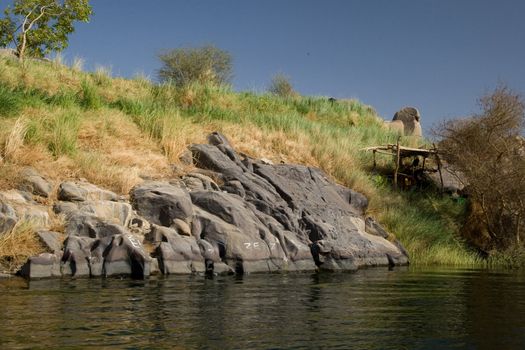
(405, 308)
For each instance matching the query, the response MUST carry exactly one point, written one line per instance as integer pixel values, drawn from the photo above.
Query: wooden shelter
(399, 152)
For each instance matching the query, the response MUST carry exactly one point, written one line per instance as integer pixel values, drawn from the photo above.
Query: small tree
(489, 151)
(207, 64)
(37, 27)
(281, 86)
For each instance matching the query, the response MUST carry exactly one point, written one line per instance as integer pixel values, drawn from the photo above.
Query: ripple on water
(370, 309)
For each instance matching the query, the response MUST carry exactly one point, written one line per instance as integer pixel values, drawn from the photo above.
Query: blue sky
(439, 56)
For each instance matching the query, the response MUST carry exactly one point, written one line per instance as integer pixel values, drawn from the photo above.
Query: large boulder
(411, 119)
(25, 208)
(231, 225)
(52, 241)
(454, 181)
(178, 254)
(118, 212)
(396, 126)
(126, 256)
(83, 191)
(291, 206)
(89, 225)
(118, 254)
(8, 217)
(44, 265)
(161, 203)
(32, 181)
(329, 219)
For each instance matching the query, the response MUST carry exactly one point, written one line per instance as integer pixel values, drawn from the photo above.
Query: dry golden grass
(54, 77)
(276, 146)
(18, 245)
(115, 154)
(95, 169)
(15, 139)
(57, 221)
(9, 176)
(78, 64)
(112, 151)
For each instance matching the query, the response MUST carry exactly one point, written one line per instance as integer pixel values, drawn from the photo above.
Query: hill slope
(116, 132)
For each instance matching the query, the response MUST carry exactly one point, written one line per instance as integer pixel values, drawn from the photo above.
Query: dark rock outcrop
(233, 214)
(306, 208)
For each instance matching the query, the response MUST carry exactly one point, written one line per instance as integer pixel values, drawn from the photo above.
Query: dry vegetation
(115, 132)
(17, 246)
(488, 151)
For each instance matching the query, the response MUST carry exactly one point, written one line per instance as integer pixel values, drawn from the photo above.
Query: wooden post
(374, 160)
(438, 160)
(398, 156)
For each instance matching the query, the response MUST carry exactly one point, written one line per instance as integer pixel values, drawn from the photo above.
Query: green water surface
(405, 308)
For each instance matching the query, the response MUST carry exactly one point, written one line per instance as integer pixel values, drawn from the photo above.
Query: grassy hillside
(115, 132)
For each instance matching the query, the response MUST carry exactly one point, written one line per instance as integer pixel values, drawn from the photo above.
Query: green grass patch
(89, 97)
(64, 133)
(428, 225)
(10, 101)
(58, 132)
(64, 98)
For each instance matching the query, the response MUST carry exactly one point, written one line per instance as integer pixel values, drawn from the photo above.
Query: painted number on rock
(252, 245)
(134, 242)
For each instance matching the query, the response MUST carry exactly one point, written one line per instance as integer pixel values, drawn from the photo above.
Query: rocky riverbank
(233, 214)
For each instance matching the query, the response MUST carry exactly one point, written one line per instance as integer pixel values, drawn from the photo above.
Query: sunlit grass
(10, 103)
(114, 132)
(17, 245)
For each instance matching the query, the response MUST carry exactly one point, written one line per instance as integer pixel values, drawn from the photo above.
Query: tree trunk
(398, 155)
(22, 50)
(25, 30)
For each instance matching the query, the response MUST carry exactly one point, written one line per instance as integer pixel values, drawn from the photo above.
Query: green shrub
(281, 86)
(207, 64)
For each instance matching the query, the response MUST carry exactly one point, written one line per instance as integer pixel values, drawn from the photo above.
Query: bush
(206, 64)
(281, 86)
(488, 152)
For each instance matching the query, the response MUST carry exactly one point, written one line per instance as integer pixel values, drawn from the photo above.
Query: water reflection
(370, 309)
